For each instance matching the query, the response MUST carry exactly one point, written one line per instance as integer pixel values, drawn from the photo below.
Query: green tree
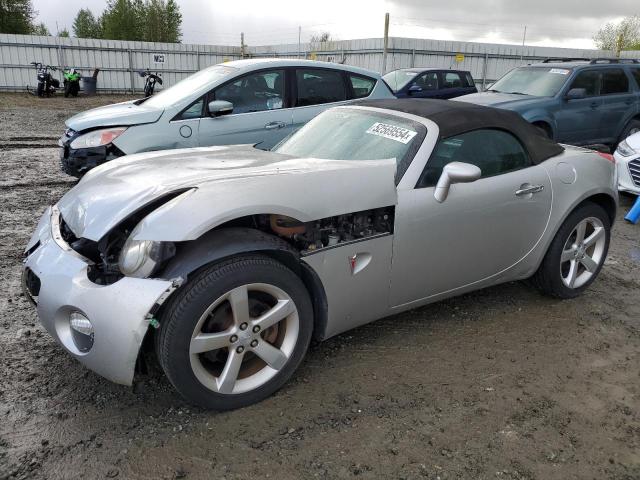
(64, 33)
(173, 22)
(86, 25)
(40, 29)
(162, 21)
(619, 36)
(148, 20)
(123, 20)
(16, 16)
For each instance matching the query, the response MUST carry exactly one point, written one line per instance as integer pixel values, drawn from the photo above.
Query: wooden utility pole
(524, 37)
(242, 45)
(619, 41)
(299, 35)
(386, 43)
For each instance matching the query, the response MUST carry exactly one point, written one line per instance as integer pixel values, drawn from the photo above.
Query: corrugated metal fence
(120, 60)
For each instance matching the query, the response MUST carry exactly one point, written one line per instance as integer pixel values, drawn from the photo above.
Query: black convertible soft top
(454, 118)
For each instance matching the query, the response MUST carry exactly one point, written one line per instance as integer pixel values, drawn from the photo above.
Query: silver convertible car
(228, 260)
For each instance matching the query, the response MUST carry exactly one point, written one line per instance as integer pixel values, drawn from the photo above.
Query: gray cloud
(549, 22)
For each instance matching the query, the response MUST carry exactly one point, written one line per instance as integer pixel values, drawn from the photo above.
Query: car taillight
(608, 156)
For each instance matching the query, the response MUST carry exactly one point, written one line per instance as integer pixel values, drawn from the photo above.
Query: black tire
(548, 277)
(40, 90)
(184, 309)
(67, 90)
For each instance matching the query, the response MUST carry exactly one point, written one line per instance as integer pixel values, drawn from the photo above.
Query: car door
(428, 84)
(618, 103)
(260, 114)
(578, 120)
(451, 85)
(315, 90)
(480, 230)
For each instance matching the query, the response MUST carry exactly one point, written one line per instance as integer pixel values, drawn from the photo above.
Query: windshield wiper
(492, 90)
(518, 93)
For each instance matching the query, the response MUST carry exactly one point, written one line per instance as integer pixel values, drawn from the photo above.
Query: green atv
(71, 82)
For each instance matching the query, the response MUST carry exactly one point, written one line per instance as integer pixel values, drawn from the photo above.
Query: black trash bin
(89, 85)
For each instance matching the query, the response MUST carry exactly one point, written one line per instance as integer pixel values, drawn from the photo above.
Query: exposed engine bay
(332, 231)
(306, 237)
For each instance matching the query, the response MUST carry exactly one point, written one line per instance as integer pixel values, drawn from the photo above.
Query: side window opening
(362, 86)
(635, 72)
(317, 86)
(255, 92)
(589, 80)
(451, 80)
(192, 111)
(470, 82)
(614, 81)
(427, 81)
(494, 151)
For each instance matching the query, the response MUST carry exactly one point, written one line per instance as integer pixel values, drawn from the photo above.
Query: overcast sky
(561, 23)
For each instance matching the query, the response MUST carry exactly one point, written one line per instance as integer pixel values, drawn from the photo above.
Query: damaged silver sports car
(229, 260)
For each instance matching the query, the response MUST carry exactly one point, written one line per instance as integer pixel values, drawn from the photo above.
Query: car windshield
(537, 81)
(184, 88)
(354, 134)
(399, 78)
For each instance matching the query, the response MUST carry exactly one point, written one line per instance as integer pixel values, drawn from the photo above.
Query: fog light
(81, 331)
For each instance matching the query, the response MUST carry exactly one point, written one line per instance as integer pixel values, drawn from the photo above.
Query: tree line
(145, 20)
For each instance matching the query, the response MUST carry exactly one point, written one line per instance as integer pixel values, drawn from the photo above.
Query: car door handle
(629, 101)
(594, 105)
(273, 125)
(529, 190)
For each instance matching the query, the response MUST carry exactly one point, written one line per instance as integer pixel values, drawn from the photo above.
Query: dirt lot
(503, 383)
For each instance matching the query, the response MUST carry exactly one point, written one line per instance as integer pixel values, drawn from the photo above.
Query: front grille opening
(634, 170)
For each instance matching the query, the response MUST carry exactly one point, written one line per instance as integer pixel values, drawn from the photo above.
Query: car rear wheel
(235, 333)
(576, 254)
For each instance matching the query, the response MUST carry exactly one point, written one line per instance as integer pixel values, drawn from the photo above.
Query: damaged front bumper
(55, 278)
(78, 161)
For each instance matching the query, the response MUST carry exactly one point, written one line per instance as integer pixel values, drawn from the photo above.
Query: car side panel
(359, 295)
(594, 175)
(161, 135)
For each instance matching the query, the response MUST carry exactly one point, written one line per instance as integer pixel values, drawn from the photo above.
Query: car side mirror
(220, 107)
(414, 89)
(455, 172)
(576, 93)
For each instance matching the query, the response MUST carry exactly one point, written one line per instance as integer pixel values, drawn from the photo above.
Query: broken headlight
(97, 138)
(139, 258)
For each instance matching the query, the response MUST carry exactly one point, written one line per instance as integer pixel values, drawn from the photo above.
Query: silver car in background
(256, 101)
(229, 259)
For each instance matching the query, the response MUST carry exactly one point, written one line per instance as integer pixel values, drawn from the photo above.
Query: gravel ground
(503, 383)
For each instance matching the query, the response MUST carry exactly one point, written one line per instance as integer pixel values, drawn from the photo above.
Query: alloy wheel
(244, 338)
(583, 252)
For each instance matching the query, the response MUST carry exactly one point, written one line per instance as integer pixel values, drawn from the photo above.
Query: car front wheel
(576, 254)
(235, 333)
